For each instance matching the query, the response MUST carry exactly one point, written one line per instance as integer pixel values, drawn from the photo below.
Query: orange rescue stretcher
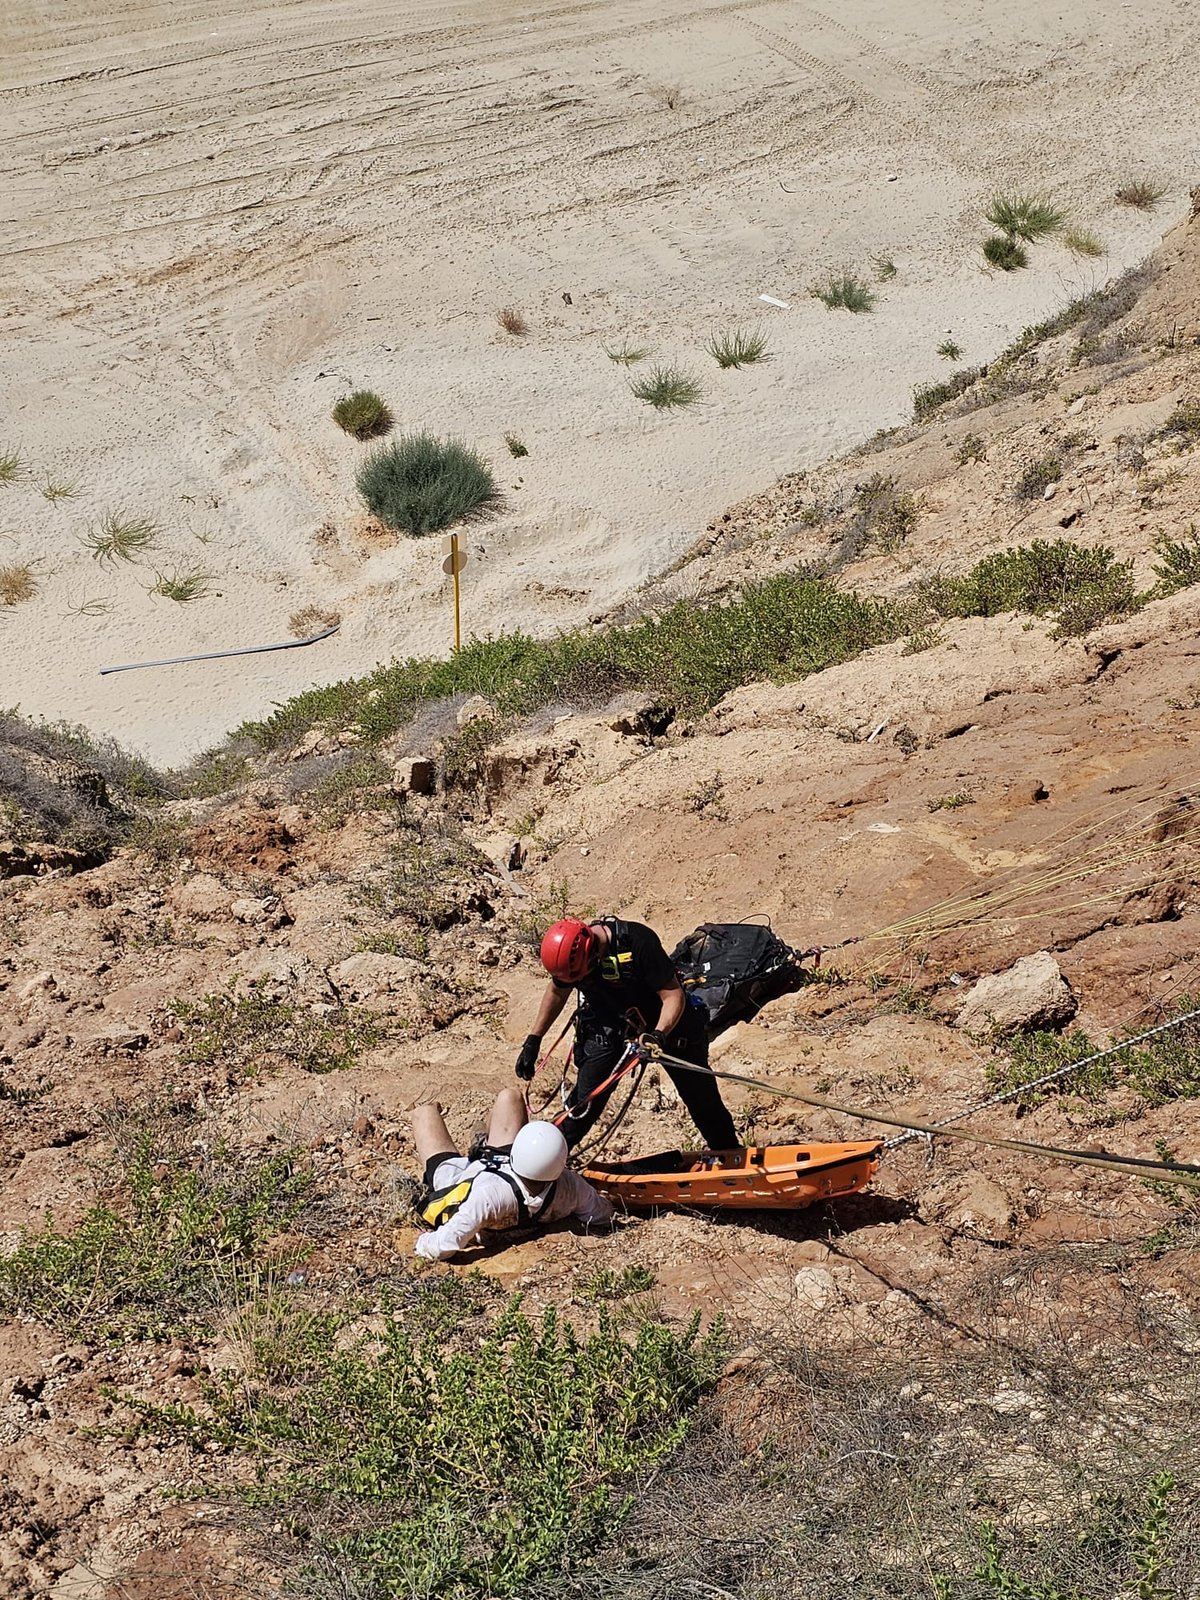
(764, 1177)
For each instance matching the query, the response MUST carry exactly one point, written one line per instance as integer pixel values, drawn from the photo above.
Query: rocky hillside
(210, 1040)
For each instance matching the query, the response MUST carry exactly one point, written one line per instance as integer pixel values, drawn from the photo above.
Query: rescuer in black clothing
(628, 989)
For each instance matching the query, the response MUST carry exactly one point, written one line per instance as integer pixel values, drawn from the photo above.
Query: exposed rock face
(1032, 993)
(369, 973)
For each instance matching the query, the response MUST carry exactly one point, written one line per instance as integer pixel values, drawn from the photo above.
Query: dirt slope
(382, 936)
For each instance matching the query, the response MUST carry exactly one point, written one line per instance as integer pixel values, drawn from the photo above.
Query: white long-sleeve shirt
(491, 1206)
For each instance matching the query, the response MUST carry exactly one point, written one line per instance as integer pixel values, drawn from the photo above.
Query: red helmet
(567, 950)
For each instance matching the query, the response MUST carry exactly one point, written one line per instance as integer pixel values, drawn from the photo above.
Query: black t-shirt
(629, 975)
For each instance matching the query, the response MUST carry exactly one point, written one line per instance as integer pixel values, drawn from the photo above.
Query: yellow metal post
(457, 615)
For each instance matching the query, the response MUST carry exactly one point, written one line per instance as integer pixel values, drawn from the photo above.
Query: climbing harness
(438, 1206)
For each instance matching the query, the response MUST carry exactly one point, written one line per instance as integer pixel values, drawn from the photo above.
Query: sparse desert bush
(929, 398)
(884, 268)
(119, 537)
(60, 785)
(516, 447)
(1143, 194)
(10, 464)
(1183, 425)
(1082, 242)
(949, 350)
(627, 354)
(512, 321)
(363, 414)
(894, 522)
(185, 1228)
(182, 584)
(246, 1033)
(845, 291)
(664, 387)
(18, 582)
(457, 1466)
(738, 347)
(952, 802)
(1160, 1070)
(1178, 564)
(972, 448)
(1038, 476)
(420, 484)
(1024, 216)
(999, 250)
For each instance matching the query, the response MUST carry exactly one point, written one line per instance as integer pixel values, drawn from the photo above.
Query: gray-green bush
(420, 484)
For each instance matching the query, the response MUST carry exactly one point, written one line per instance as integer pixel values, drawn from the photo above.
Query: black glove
(653, 1040)
(528, 1059)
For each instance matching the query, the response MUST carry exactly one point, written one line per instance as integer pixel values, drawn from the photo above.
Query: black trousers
(599, 1045)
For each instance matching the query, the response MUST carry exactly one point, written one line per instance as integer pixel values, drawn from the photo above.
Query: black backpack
(732, 969)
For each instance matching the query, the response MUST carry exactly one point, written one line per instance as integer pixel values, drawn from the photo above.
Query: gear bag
(730, 970)
(436, 1206)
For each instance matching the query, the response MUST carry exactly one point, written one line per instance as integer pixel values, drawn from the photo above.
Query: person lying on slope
(519, 1180)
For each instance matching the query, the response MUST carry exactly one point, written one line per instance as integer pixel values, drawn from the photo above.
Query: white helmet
(539, 1153)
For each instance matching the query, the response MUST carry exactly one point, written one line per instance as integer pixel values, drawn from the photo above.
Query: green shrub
(1136, 1542)
(1036, 578)
(664, 387)
(1178, 563)
(186, 1230)
(972, 448)
(1183, 425)
(894, 522)
(516, 447)
(784, 627)
(248, 1033)
(1038, 476)
(363, 414)
(845, 291)
(999, 250)
(929, 398)
(738, 347)
(420, 484)
(1024, 216)
(949, 350)
(458, 1468)
(1160, 1070)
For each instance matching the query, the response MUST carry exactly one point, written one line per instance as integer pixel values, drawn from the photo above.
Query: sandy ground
(213, 224)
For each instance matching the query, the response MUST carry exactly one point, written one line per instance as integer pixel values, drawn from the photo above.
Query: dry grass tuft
(17, 582)
(1143, 194)
(309, 620)
(512, 321)
(1082, 242)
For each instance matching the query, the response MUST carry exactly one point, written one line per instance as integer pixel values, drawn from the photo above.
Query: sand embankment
(211, 226)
